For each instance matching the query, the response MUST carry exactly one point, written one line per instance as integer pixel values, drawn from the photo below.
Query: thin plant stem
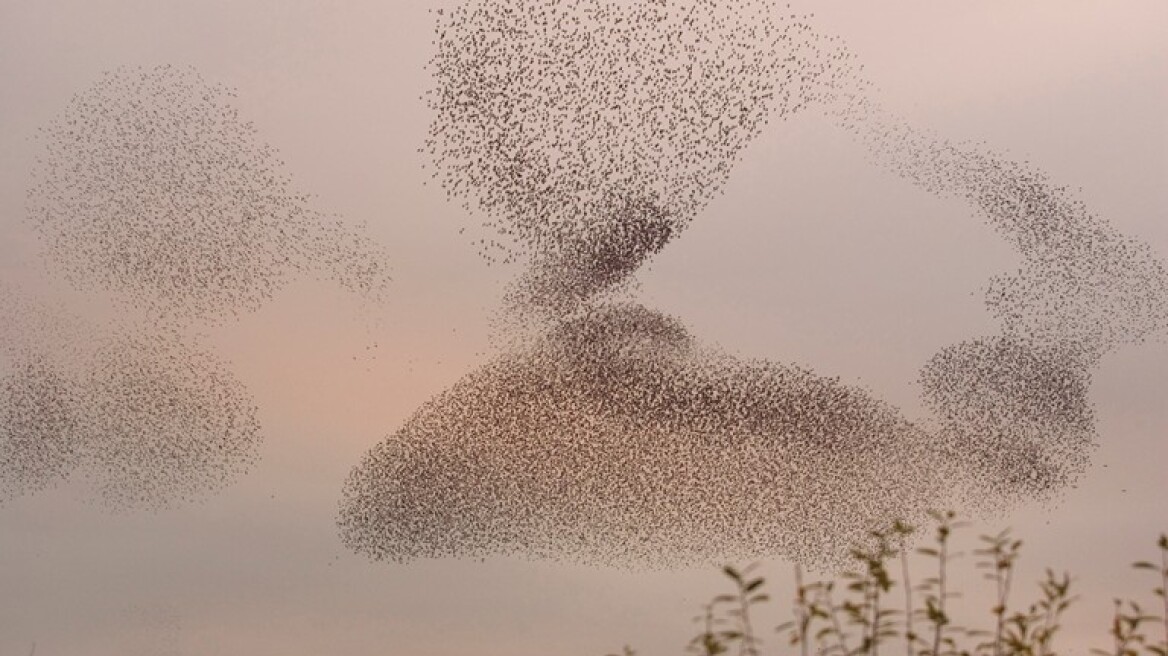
(802, 616)
(839, 633)
(909, 636)
(1164, 584)
(748, 648)
(940, 626)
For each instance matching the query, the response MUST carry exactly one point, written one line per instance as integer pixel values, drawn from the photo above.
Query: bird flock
(620, 440)
(147, 417)
(585, 137)
(152, 190)
(589, 135)
(1017, 403)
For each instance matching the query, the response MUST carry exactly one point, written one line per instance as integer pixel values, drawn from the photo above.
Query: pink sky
(812, 256)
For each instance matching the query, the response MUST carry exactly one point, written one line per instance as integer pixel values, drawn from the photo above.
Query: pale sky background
(811, 256)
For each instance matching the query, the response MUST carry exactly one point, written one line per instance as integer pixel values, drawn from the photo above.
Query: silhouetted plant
(853, 616)
(1129, 619)
(710, 642)
(999, 556)
(746, 596)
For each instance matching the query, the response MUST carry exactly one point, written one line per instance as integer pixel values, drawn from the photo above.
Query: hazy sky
(811, 256)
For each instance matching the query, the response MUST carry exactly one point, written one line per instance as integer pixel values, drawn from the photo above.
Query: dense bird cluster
(1016, 416)
(38, 426)
(1016, 405)
(587, 136)
(1082, 286)
(168, 422)
(146, 417)
(38, 394)
(590, 134)
(617, 439)
(153, 187)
